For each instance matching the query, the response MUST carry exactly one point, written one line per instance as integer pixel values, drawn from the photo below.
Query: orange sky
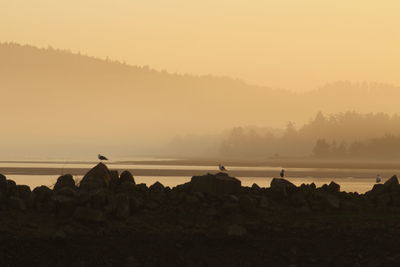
(293, 44)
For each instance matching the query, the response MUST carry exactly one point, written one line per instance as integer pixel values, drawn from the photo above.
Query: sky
(292, 44)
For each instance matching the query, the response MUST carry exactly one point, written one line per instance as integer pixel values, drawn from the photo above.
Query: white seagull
(222, 168)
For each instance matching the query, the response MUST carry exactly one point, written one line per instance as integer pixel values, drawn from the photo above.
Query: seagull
(222, 168)
(101, 157)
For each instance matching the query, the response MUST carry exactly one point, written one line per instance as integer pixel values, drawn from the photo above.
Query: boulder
(391, 185)
(157, 187)
(24, 192)
(64, 181)
(89, 215)
(42, 193)
(218, 184)
(12, 189)
(282, 186)
(255, 187)
(98, 177)
(333, 187)
(126, 176)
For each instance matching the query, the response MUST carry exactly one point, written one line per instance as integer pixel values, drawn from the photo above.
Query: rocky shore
(106, 219)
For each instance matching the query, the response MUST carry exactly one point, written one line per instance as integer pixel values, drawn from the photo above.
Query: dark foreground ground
(319, 240)
(108, 220)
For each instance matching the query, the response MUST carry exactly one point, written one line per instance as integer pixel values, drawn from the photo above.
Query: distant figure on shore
(101, 157)
(282, 173)
(222, 168)
(378, 179)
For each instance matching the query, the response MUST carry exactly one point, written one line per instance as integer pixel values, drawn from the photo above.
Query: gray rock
(64, 181)
(12, 189)
(98, 177)
(255, 187)
(333, 187)
(219, 184)
(126, 176)
(282, 186)
(157, 187)
(42, 193)
(24, 192)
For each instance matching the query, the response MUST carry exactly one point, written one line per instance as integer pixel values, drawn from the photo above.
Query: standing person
(282, 174)
(378, 179)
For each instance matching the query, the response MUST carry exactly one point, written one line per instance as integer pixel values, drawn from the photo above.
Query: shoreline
(295, 173)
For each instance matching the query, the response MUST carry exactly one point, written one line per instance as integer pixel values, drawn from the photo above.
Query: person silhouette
(282, 173)
(378, 179)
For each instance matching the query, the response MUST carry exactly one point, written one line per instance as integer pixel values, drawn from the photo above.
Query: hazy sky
(293, 44)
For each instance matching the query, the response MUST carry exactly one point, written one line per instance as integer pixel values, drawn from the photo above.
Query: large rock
(42, 193)
(333, 187)
(24, 192)
(97, 178)
(157, 187)
(282, 186)
(218, 184)
(126, 177)
(391, 185)
(12, 189)
(64, 181)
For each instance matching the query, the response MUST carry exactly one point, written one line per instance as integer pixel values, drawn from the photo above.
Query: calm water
(360, 185)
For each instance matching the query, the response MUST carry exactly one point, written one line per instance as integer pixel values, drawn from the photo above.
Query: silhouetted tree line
(348, 134)
(387, 146)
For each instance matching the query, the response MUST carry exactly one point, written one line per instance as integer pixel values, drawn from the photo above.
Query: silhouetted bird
(222, 168)
(282, 173)
(101, 157)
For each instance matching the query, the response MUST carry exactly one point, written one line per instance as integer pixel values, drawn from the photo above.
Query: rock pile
(105, 195)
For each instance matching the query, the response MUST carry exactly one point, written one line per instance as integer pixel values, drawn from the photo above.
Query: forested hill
(45, 90)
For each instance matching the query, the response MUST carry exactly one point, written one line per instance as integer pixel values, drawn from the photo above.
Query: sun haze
(292, 44)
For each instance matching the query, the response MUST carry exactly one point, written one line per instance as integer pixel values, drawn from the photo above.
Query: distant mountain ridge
(59, 94)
